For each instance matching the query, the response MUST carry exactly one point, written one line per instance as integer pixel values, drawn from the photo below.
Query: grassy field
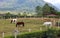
(33, 23)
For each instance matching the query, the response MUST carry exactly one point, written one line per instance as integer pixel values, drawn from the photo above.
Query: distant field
(32, 23)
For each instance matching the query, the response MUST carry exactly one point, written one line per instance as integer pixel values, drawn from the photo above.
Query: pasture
(33, 23)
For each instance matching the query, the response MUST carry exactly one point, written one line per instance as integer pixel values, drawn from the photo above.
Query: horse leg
(11, 21)
(16, 25)
(23, 24)
(14, 21)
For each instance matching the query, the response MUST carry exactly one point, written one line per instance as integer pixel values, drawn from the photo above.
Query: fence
(14, 33)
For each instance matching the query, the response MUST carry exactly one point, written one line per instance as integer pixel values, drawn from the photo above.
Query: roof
(2, 14)
(52, 15)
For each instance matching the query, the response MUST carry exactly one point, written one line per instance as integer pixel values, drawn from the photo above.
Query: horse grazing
(13, 20)
(19, 24)
(47, 23)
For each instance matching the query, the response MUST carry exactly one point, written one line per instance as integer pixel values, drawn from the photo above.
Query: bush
(50, 33)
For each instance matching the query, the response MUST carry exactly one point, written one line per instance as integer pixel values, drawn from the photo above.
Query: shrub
(50, 33)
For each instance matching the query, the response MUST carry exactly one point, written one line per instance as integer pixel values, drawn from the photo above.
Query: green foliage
(10, 37)
(24, 14)
(58, 13)
(38, 10)
(50, 33)
(52, 10)
(18, 14)
(7, 15)
(46, 9)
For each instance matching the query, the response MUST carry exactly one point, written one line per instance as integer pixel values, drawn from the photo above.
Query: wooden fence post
(2, 34)
(58, 25)
(16, 33)
(40, 28)
(29, 30)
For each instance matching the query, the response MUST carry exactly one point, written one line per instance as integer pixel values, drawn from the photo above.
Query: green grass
(34, 24)
(49, 33)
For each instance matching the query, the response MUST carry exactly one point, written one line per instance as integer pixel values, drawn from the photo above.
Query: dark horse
(20, 23)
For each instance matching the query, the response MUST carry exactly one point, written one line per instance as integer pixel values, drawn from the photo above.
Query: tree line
(40, 12)
(46, 10)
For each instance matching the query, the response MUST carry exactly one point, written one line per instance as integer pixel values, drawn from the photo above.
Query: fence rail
(14, 33)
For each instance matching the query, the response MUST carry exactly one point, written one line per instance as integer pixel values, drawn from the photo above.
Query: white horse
(47, 23)
(13, 20)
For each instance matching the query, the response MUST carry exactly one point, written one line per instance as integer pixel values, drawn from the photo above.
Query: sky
(54, 2)
(20, 5)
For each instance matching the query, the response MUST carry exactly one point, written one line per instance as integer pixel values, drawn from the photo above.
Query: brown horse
(20, 23)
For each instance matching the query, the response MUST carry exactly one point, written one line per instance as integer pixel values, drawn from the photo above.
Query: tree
(46, 9)
(7, 15)
(24, 14)
(58, 13)
(19, 15)
(52, 10)
(38, 11)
